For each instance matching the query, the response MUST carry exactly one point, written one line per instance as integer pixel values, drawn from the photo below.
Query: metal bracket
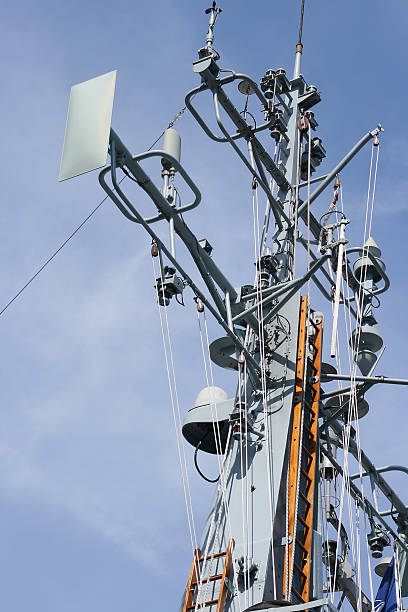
(318, 603)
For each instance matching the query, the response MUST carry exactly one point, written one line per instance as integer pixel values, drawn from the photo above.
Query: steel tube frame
(208, 281)
(167, 210)
(318, 603)
(320, 286)
(317, 179)
(357, 147)
(362, 458)
(253, 366)
(277, 211)
(186, 177)
(292, 285)
(370, 379)
(203, 261)
(205, 86)
(381, 470)
(366, 505)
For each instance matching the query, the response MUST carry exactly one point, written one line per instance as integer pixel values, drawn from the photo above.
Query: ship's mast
(261, 547)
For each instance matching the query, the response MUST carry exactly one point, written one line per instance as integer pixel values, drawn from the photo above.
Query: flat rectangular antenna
(88, 126)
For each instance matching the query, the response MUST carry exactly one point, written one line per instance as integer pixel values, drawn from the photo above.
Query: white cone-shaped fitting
(373, 247)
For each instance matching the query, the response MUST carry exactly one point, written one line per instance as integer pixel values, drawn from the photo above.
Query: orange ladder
(194, 580)
(303, 460)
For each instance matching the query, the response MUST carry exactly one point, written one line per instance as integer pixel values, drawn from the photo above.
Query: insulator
(200, 305)
(155, 249)
(329, 553)
(275, 134)
(303, 124)
(267, 83)
(238, 432)
(241, 358)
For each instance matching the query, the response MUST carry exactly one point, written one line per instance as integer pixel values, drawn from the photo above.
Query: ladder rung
(304, 498)
(302, 546)
(315, 325)
(308, 406)
(307, 451)
(298, 595)
(302, 520)
(221, 554)
(295, 565)
(205, 603)
(309, 431)
(210, 579)
(305, 474)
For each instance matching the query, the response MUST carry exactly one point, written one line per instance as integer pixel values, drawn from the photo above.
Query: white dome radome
(210, 395)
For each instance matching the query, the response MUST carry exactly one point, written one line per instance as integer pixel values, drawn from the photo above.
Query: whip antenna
(299, 45)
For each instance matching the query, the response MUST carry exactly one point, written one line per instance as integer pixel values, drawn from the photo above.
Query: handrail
(253, 367)
(360, 144)
(175, 164)
(220, 82)
(387, 468)
(277, 211)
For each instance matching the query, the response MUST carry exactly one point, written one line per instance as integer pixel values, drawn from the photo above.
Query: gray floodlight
(88, 126)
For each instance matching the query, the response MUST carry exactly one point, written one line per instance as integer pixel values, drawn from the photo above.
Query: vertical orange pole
(295, 446)
(312, 464)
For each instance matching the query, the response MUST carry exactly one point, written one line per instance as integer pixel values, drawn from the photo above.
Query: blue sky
(91, 507)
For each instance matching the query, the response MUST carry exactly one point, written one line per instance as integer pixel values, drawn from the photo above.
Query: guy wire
(80, 226)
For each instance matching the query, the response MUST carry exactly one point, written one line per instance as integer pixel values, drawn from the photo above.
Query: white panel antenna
(88, 126)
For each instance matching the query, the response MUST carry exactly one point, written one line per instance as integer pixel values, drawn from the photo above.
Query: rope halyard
(355, 529)
(296, 202)
(224, 467)
(259, 247)
(168, 355)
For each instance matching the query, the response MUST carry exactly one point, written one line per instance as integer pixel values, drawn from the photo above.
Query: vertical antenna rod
(214, 12)
(299, 45)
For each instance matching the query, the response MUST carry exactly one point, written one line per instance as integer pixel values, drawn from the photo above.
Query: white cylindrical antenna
(172, 143)
(299, 45)
(172, 146)
(338, 286)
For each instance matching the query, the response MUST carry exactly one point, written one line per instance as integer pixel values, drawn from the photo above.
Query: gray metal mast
(278, 437)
